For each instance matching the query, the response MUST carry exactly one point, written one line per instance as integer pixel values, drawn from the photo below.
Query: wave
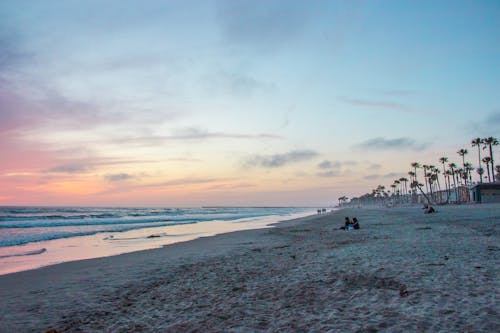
(37, 223)
(11, 241)
(113, 238)
(28, 253)
(61, 217)
(33, 224)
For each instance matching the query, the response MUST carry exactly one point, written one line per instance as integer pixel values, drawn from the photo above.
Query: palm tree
(490, 142)
(477, 143)
(468, 169)
(404, 188)
(459, 173)
(428, 179)
(443, 160)
(398, 183)
(480, 172)
(404, 180)
(416, 185)
(342, 200)
(497, 169)
(393, 186)
(426, 176)
(449, 173)
(435, 179)
(415, 166)
(397, 189)
(452, 166)
(462, 153)
(412, 175)
(487, 161)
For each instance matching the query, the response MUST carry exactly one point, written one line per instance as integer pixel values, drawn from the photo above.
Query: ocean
(32, 237)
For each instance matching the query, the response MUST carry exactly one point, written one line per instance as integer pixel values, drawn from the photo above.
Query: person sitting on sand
(430, 210)
(347, 223)
(355, 223)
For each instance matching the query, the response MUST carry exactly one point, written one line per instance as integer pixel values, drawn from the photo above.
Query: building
(486, 192)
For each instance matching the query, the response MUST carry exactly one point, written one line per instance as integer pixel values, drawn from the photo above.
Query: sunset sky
(191, 103)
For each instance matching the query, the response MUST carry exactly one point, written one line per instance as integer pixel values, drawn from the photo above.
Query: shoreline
(403, 271)
(41, 254)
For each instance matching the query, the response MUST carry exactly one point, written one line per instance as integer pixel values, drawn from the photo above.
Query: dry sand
(404, 271)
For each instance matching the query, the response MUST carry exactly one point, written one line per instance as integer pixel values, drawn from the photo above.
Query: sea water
(32, 237)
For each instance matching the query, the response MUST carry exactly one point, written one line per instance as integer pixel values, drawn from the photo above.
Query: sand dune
(404, 271)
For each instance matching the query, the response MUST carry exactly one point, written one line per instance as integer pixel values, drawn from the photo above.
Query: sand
(404, 271)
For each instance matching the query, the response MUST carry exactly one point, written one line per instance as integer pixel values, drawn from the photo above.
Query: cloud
(42, 107)
(118, 177)
(12, 56)
(279, 160)
(333, 168)
(70, 168)
(183, 181)
(326, 165)
(171, 183)
(399, 92)
(87, 164)
(196, 133)
(329, 173)
(231, 186)
(335, 164)
(493, 118)
(374, 166)
(393, 175)
(375, 104)
(236, 84)
(261, 24)
(390, 175)
(486, 126)
(381, 143)
(191, 134)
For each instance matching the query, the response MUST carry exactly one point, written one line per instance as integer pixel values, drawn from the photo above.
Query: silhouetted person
(347, 222)
(430, 210)
(355, 223)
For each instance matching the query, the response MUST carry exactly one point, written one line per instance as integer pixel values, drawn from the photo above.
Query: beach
(403, 271)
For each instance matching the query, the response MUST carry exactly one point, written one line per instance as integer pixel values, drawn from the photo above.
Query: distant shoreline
(98, 243)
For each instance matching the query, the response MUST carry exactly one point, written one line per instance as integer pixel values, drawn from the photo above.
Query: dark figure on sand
(348, 225)
(355, 223)
(428, 209)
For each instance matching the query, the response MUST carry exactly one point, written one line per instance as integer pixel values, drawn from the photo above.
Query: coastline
(40, 254)
(403, 271)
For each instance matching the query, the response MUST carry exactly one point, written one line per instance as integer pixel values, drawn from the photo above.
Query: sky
(238, 103)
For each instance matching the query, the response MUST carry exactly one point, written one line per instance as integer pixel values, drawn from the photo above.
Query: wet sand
(403, 271)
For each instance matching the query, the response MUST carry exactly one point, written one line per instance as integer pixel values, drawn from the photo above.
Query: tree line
(454, 184)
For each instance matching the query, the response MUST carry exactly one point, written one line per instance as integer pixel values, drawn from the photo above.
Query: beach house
(486, 192)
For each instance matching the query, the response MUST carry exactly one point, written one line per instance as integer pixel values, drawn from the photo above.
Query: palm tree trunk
(439, 189)
(463, 163)
(456, 188)
(448, 189)
(488, 169)
(444, 177)
(492, 162)
(425, 195)
(479, 160)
